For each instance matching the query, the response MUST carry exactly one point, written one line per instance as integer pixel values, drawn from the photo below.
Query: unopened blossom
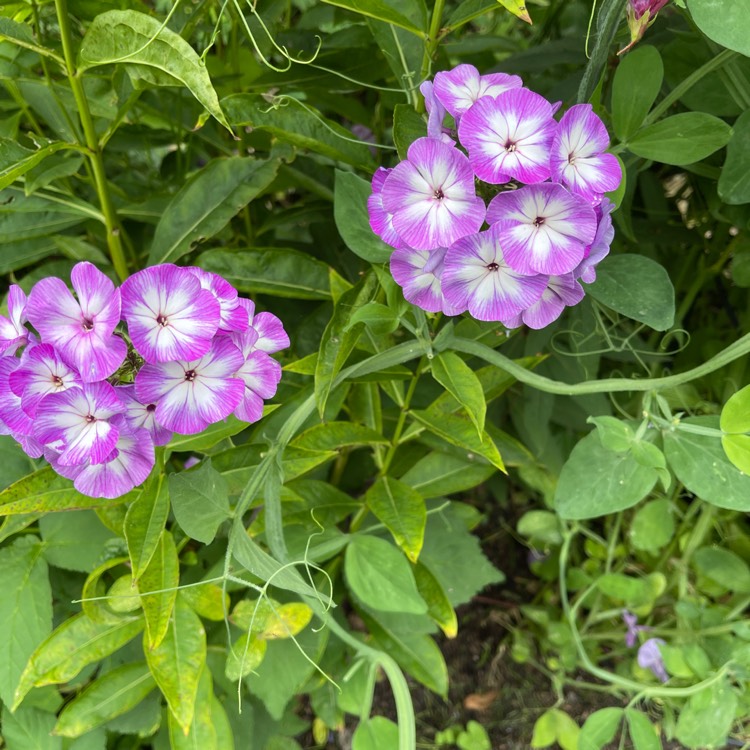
(41, 371)
(170, 316)
(13, 332)
(509, 136)
(649, 657)
(459, 88)
(419, 274)
(76, 423)
(599, 247)
(477, 277)
(561, 292)
(578, 159)
(190, 395)
(381, 221)
(633, 628)
(640, 15)
(543, 228)
(435, 114)
(126, 466)
(231, 316)
(431, 196)
(81, 329)
(142, 416)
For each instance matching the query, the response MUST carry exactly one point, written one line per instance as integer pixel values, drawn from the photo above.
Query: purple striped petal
(12, 415)
(381, 221)
(561, 291)
(232, 317)
(543, 228)
(271, 334)
(459, 88)
(142, 416)
(509, 137)
(170, 317)
(432, 196)
(599, 248)
(419, 273)
(13, 333)
(435, 114)
(261, 375)
(477, 277)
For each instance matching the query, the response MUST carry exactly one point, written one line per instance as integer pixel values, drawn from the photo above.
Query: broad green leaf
(78, 641)
(600, 728)
(403, 512)
(380, 319)
(46, 172)
(379, 10)
(723, 21)
(220, 721)
(206, 203)
(163, 576)
(145, 521)
(636, 85)
(724, 567)
(254, 614)
(653, 525)
(596, 481)
(14, 463)
(460, 431)
(211, 436)
(207, 600)
(339, 338)
(631, 591)
(97, 609)
(408, 125)
(29, 728)
(681, 139)
(279, 271)
(615, 434)
(108, 696)
(441, 474)
(25, 608)
(137, 39)
(700, 463)
(644, 735)
(21, 35)
(177, 662)
(438, 605)
(541, 527)
(555, 726)
(636, 287)
(123, 595)
(15, 160)
(332, 435)
(143, 719)
(735, 419)
(299, 124)
(62, 534)
(734, 182)
(706, 719)
(245, 655)
(375, 733)
(200, 501)
(47, 492)
(287, 621)
(380, 577)
(202, 733)
(352, 220)
(461, 382)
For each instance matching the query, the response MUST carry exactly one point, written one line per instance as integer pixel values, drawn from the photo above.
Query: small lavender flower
(543, 228)
(577, 155)
(599, 248)
(381, 221)
(435, 114)
(459, 88)
(508, 137)
(13, 332)
(633, 628)
(649, 657)
(81, 330)
(260, 374)
(231, 315)
(561, 292)
(431, 196)
(419, 273)
(271, 336)
(142, 416)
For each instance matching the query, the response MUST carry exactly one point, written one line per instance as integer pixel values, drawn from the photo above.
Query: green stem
(431, 44)
(94, 151)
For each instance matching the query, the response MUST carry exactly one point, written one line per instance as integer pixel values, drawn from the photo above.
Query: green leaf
(615, 434)
(162, 576)
(735, 420)
(461, 382)
(47, 492)
(15, 160)
(207, 202)
(78, 641)
(475, 736)
(681, 139)
(352, 219)
(375, 733)
(408, 125)
(636, 287)
(636, 85)
(402, 510)
(105, 698)
(25, 608)
(600, 728)
(29, 728)
(653, 526)
(380, 577)
(245, 656)
(202, 733)
(706, 719)
(211, 436)
(440, 474)
(62, 534)
(643, 733)
(145, 521)
(380, 319)
(207, 600)
(200, 501)
(339, 338)
(177, 662)
(439, 607)
(723, 567)
(540, 527)
(555, 726)
(734, 182)
(110, 610)
(700, 463)
(141, 41)
(596, 481)
(278, 271)
(723, 21)
(379, 10)
(333, 435)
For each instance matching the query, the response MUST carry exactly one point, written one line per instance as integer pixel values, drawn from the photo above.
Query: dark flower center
(190, 376)
(57, 381)
(538, 221)
(492, 267)
(571, 157)
(510, 146)
(152, 407)
(162, 320)
(88, 324)
(439, 194)
(90, 418)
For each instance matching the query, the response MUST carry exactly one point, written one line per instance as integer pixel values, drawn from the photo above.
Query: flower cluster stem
(431, 44)
(94, 152)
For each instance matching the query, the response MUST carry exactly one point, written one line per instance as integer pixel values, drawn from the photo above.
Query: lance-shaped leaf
(177, 662)
(441, 474)
(333, 435)
(157, 53)
(439, 607)
(207, 600)
(201, 734)
(461, 382)
(15, 160)
(145, 521)
(161, 576)
(245, 656)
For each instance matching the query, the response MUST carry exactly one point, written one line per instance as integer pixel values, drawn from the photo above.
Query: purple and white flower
(459, 88)
(169, 315)
(435, 114)
(142, 416)
(260, 374)
(561, 292)
(81, 330)
(649, 657)
(419, 273)
(381, 221)
(431, 196)
(578, 157)
(477, 277)
(633, 628)
(599, 248)
(75, 423)
(41, 372)
(15, 419)
(13, 332)
(543, 228)
(271, 334)
(232, 317)
(190, 395)
(508, 137)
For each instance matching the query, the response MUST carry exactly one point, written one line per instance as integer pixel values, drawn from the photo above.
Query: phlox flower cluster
(94, 396)
(519, 257)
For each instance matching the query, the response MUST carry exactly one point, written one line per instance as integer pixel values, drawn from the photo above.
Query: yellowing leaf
(287, 621)
(517, 8)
